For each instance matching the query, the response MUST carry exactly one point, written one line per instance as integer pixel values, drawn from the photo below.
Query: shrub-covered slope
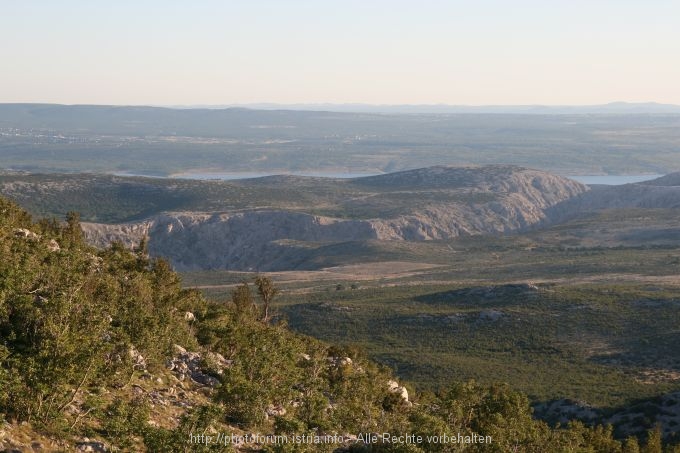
(102, 350)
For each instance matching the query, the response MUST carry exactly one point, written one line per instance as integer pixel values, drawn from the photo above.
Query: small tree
(142, 249)
(242, 298)
(267, 292)
(72, 230)
(654, 442)
(631, 445)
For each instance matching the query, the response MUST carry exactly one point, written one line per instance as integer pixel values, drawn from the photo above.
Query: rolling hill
(269, 223)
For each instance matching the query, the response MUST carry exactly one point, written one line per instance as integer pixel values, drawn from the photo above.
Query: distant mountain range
(611, 108)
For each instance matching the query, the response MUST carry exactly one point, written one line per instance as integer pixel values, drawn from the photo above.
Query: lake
(225, 176)
(609, 180)
(612, 180)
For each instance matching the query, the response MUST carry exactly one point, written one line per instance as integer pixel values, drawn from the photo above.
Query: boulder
(138, 360)
(53, 246)
(87, 445)
(186, 365)
(275, 410)
(24, 233)
(394, 387)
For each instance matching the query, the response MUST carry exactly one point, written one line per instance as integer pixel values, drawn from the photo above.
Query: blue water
(243, 175)
(613, 180)
(609, 180)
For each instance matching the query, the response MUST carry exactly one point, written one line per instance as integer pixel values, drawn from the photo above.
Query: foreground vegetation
(87, 335)
(554, 312)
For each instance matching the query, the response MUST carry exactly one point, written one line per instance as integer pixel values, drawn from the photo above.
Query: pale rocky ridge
(634, 420)
(662, 192)
(255, 239)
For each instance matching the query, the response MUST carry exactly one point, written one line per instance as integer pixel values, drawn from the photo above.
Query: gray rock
(53, 246)
(91, 446)
(186, 365)
(394, 387)
(493, 199)
(275, 410)
(24, 233)
(138, 360)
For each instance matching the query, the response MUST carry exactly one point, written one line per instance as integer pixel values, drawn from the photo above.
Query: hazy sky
(370, 51)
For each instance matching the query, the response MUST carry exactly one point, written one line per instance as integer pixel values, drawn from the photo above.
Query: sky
(476, 52)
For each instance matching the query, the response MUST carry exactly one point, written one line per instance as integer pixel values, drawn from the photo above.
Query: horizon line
(611, 108)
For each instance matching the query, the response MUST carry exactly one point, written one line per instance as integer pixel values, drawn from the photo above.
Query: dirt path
(384, 275)
(359, 272)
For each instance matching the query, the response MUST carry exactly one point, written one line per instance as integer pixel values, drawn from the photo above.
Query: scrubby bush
(73, 317)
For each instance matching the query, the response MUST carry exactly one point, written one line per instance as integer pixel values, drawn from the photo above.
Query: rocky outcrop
(52, 245)
(495, 199)
(565, 410)
(646, 195)
(401, 391)
(634, 420)
(138, 360)
(87, 445)
(669, 180)
(662, 412)
(187, 365)
(24, 233)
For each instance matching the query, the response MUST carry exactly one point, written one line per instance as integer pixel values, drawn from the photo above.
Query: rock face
(662, 412)
(478, 200)
(188, 365)
(663, 192)
(564, 410)
(394, 387)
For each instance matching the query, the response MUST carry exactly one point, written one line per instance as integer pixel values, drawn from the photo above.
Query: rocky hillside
(102, 350)
(662, 192)
(662, 411)
(424, 204)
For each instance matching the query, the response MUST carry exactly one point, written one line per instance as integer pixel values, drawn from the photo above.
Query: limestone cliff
(662, 192)
(454, 201)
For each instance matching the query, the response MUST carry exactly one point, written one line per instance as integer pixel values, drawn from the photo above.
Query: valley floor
(550, 312)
